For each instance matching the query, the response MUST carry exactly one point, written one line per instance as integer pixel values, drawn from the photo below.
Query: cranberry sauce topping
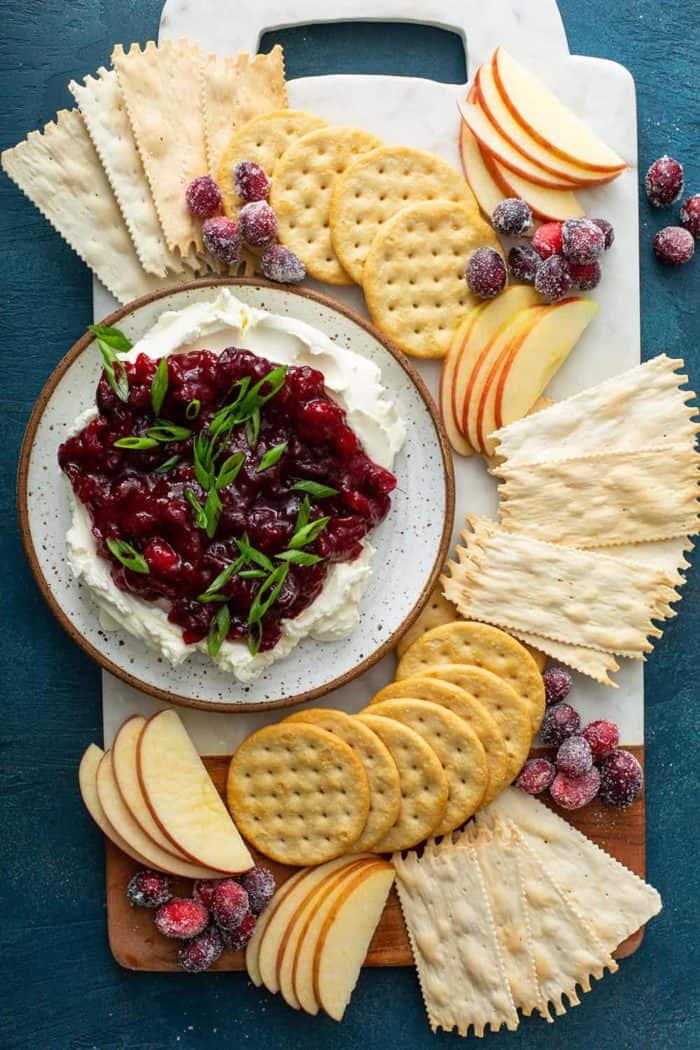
(213, 512)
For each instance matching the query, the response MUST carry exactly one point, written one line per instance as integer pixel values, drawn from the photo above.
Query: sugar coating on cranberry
(674, 245)
(258, 224)
(574, 757)
(259, 884)
(536, 775)
(182, 918)
(608, 232)
(281, 264)
(203, 891)
(524, 262)
(575, 792)
(559, 722)
(690, 215)
(229, 904)
(586, 276)
(664, 181)
(553, 279)
(203, 197)
(557, 683)
(486, 273)
(250, 181)
(149, 889)
(512, 217)
(603, 737)
(582, 240)
(621, 779)
(547, 239)
(222, 238)
(238, 938)
(201, 951)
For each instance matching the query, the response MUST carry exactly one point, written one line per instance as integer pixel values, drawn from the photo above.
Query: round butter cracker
(436, 611)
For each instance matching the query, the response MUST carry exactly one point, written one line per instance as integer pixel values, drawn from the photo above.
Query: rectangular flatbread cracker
(668, 556)
(592, 662)
(233, 91)
(641, 408)
(60, 171)
(161, 87)
(454, 942)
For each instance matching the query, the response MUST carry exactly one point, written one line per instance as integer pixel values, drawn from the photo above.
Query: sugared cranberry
(674, 245)
(512, 217)
(559, 722)
(536, 775)
(201, 951)
(690, 215)
(258, 224)
(547, 239)
(664, 181)
(229, 904)
(586, 276)
(239, 938)
(574, 757)
(282, 265)
(203, 891)
(250, 181)
(608, 231)
(181, 918)
(486, 273)
(149, 889)
(575, 792)
(557, 683)
(582, 240)
(524, 262)
(203, 197)
(621, 779)
(222, 238)
(603, 737)
(259, 884)
(553, 279)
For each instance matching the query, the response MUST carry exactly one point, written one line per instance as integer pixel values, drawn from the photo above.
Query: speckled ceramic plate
(411, 542)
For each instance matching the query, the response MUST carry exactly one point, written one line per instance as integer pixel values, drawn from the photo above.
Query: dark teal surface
(60, 988)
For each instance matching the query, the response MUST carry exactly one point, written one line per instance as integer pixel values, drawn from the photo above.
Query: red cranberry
(259, 884)
(203, 891)
(674, 245)
(250, 181)
(603, 737)
(547, 239)
(574, 757)
(162, 559)
(239, 938)
(222, 238)
(608, 231)
(319, 419)
(201, 951)
(536, 775)
(574, 793)
(553, 279)
(282, 265)
(512, 217)
(690, 215)
(486, 273)
(229, 904)
(203, 197)
(586, 276)
(557, 683)
(258, 224)
(582, 240)
(149, 889)
(621, 779)
(181, 918)
(664, 181)
(559, 722)
(523, 263)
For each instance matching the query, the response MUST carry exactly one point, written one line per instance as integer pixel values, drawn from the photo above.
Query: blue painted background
(60, 988)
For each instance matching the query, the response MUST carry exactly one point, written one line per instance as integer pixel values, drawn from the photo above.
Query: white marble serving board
(423, 113)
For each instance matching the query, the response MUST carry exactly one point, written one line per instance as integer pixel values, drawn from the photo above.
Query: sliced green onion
(252, 574)
(229, 470)
(299, 557)
(315, 489)
(250, 554)
(308, 533)
(193, 408)
(111, 337)
(255, 635)
(128, 556)
(303, 515)
(218, 629)
(166, 432)
(136, 443)
(159, 385)
(272, 456)
(268, 593)
(199, 512)
(252, 428)
(212, 511)
(114, 370)
(168, 465)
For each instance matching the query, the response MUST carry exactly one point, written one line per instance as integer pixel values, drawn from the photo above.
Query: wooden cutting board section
(137, 945)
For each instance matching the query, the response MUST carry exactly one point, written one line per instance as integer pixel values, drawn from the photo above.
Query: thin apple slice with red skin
(531, 364)
(448, 384)
(252, 952)
(481, 182)
(545, 119)
(545, 204)
(87, 781)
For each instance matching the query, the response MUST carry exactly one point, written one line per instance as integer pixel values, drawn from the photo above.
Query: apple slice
(448, 407)
(548, 205)
(183, 800)
(252, 951)
(530, 366)
(124, 824)
(482, 183)
(345, 936)
(545, 119)
(87, 780)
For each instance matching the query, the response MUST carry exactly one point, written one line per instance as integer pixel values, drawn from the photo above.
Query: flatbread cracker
(379, 766)
(302, 184)
(436, 611)
(298, 793)
(423, 783)
(458, 748)
(379, 184)
(263, 140)
(592, 662)
(161, 86)
(234, 90)
(60, 172)
(413, 276)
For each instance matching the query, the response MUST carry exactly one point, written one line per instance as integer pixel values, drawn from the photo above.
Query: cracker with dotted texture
(436, 611)
(302, 185)
(379, 766)
(413, 276)
(423, 783)
(379, 184)
(298, 793)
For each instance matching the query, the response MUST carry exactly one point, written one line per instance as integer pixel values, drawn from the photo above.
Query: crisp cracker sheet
(641, 408)
(161, 87)
(611, 899)
(233, 91)
(60, 171)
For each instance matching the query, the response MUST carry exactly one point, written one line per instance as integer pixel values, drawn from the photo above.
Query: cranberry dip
(223, 495)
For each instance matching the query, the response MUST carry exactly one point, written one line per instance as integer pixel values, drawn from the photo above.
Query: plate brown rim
(124, 675)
